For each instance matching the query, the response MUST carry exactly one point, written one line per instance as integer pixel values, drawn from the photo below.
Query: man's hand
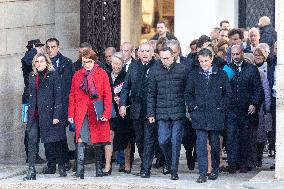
(151, 120)
(70, 119)
(55, 121)
(251, 109)
(122, 111)
(189, 117)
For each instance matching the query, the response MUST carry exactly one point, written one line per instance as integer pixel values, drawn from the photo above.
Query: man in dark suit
(209, 90)
(136, 82)
(243, 109)
(127, 50)
(65, 69)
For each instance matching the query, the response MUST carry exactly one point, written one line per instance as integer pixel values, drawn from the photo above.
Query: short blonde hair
(261, 51)
(49, 65)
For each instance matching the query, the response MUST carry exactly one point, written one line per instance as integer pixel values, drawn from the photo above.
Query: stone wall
(22, 21)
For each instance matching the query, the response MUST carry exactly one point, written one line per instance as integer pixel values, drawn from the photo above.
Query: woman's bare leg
(108, 152)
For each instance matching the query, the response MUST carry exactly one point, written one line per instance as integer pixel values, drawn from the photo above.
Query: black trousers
(26, 143)
(150, 142)
(145, 139)
(138, 126)
(189, 141)
(55, 153)
(33, 137)
(272, 133)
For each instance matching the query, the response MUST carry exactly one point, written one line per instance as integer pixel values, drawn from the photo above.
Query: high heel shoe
(107, 173)
(127, 171)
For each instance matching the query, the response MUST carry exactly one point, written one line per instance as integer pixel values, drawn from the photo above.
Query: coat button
(47, 106)
(46, 86)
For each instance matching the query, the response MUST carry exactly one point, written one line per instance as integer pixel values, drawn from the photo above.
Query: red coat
(80, 103)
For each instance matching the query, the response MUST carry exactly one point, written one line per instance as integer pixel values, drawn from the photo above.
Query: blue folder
(25, 108)
(99, 108)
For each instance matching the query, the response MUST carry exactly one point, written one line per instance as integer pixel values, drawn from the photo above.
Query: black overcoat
(48, 100)
(208, 99)
(66, 72)
(135, 88)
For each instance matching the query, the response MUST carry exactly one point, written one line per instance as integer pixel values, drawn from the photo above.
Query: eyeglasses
(87, 62)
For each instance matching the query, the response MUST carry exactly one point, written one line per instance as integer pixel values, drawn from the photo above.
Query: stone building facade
(21, 21)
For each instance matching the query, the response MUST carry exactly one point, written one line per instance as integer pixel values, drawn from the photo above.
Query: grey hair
(112, 49)
(118, 55)
(173, 42)
(146, 43)
(265, 46)
(254, 29)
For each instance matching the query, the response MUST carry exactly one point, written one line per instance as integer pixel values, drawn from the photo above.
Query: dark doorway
(251, 10)
(100, 24)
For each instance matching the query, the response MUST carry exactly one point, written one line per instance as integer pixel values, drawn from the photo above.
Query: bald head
(126, 49)
(237, 54)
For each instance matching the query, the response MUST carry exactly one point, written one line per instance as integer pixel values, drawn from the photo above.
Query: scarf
(55, 61)
(88, 85)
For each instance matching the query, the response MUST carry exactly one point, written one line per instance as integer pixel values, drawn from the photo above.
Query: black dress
(121, 126)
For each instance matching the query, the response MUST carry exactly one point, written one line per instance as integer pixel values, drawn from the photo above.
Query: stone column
(279, 160)
(131, 15)
(67, 26)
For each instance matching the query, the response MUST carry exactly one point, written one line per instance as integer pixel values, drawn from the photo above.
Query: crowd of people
(212, 101)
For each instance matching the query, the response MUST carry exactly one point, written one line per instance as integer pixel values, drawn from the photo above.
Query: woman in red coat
(89, 84)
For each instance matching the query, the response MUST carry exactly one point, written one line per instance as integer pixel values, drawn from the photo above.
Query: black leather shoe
(67, 165)
(48, 170)
(201, 179)
(121, 168)
(166, 170)
(61, 170)
(39, 160)
(231, 169)
(159, 163)
(191, 164)
(213, 176)
(174, 176)
(243, 169)
(145, 174)
(31, 174)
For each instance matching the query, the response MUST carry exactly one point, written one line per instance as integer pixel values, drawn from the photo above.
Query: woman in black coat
(121, 127)
(44, 113)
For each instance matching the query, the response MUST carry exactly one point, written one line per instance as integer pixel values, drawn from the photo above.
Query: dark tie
(207, 73)
(238, 67)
